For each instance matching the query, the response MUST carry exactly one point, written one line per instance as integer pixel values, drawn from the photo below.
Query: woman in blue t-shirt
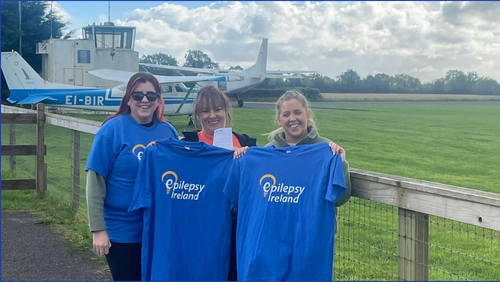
(111, 171)
(297, 127)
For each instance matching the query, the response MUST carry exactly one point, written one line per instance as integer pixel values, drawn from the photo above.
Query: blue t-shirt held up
(187, 217)
(286, 211)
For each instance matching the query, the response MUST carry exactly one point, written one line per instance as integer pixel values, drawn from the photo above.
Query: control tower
(103, 46)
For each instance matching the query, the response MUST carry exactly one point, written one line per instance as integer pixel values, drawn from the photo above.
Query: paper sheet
(223, 137)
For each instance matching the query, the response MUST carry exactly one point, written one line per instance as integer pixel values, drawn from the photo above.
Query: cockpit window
(180, 87)
(166, 87)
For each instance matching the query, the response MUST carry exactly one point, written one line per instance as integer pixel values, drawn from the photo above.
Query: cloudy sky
(422, 39)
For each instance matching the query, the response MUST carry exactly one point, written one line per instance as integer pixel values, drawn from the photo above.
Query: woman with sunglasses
(111, 171)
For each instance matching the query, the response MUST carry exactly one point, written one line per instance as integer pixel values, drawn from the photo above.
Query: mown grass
(456, 145)
(346, 97)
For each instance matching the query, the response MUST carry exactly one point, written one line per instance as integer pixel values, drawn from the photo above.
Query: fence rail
(407, 208)
(39, 150)
(451, 202)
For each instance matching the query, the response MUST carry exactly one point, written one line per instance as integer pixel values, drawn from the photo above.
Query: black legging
(124, 260)
(233, 273)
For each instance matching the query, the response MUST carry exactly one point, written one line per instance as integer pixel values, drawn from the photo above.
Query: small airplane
(239, 80)
(28, 88)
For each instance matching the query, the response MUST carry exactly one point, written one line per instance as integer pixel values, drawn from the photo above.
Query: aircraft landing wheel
(240, 103)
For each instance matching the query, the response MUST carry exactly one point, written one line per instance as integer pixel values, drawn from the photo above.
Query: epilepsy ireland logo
(278, 192)
(181, 189)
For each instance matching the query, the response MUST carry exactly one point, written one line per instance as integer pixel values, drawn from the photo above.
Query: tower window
(83, 57)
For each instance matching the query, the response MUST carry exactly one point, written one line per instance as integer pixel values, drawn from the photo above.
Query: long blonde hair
(291, 94)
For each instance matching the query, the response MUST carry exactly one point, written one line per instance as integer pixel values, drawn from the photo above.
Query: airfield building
(103, 46)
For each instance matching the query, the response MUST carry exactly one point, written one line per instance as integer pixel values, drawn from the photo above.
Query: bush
(312, 94)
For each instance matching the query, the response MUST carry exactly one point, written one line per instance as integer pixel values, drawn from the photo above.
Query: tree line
(455, 82)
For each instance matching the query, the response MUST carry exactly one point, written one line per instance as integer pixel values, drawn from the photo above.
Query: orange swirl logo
(163, 179)
(267, 185)
(140, 151)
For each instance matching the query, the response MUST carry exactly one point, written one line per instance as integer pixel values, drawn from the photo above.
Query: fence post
(41, 166)
(12, 141)
(75, 179)
(413, 247)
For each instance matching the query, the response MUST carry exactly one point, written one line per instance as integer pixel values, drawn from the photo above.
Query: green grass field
(456, 145)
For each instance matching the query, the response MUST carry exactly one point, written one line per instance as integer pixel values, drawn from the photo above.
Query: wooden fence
(39, 150)
(416, 200)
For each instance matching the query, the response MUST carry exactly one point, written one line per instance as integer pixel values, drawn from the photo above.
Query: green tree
(35, 27)
(268, 83)
(198, 59)
(318, 81)
(160, 59)
(349, 81)
(237, 67)
(438, 86)
(403, 83)
(379, 83)
(488, 86)
(294, 83)
(305, 81)
(458, 82)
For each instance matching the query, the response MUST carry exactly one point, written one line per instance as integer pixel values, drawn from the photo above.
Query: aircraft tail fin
(259, 68)
(19, 74)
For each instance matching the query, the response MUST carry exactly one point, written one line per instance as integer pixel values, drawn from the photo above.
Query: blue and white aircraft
(27, 88)
(239, 81)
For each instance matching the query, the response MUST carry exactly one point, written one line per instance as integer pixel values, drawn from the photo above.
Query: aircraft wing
(178, 68)
(286, 73)
(31, 100)
(284, 76)
(124, 76)
(196, 70)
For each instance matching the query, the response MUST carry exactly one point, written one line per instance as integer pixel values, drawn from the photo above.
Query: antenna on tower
(51, 19)
(20, 31)
(109, 11)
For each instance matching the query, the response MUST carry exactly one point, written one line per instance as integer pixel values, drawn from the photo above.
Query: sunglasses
(151, 96)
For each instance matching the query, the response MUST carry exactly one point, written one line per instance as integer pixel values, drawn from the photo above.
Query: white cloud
(59, 11)
(422, 39)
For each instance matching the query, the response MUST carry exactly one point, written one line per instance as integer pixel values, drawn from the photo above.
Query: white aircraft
(27, 87)
(239, 80)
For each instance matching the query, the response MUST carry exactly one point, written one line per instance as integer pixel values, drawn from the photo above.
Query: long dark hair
(140, 77)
